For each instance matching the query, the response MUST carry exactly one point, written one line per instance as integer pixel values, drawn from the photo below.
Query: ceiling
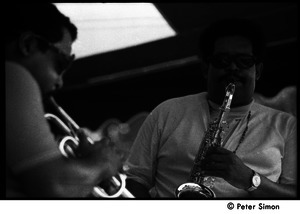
(279, 21)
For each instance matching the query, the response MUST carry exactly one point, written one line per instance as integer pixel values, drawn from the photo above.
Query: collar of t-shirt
(236, 113)
(234, 117)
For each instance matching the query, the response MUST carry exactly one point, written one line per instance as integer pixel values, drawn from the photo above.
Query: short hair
(43, 19)
(232, 27)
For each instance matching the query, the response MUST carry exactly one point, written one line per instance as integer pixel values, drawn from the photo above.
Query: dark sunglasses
(242, 61)
(62, 62)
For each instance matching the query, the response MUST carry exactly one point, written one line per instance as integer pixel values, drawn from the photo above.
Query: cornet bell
(66, 131)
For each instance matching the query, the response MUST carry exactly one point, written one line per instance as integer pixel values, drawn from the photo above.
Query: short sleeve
(289, 160)
(142, 158)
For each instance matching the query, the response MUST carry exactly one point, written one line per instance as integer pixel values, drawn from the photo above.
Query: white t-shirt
(163, 152)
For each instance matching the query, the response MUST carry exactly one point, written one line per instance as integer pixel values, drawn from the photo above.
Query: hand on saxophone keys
(222, 163)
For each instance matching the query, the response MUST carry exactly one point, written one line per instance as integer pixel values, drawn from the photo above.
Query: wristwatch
(255, 182)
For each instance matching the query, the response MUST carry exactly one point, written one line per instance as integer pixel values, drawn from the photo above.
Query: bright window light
(104, 27)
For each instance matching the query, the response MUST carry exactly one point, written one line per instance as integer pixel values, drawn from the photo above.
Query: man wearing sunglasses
(258, 154)
(38, 51)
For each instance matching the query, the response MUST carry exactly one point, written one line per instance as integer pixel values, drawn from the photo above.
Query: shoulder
(18, 77)
(22, 90)
(274, 117)
(271, 112)
(174, 110)
(184, 102)
(14, 68)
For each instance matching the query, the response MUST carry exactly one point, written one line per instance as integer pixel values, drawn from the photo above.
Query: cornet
(68, 145)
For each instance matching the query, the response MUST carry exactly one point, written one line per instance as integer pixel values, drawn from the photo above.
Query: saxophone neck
(229, 91)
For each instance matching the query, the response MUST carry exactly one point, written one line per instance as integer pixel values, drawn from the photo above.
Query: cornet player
(258, 154)
(37, 51)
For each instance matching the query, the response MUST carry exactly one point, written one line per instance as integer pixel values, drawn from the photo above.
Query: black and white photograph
(163, 102)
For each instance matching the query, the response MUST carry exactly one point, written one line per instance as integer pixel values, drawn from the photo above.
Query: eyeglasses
(242, 61)
(62, 62)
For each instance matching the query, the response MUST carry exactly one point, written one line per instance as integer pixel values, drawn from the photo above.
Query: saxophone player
(258, 153)
(37, 52)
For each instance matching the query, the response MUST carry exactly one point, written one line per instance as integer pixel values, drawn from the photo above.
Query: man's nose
(232, 66)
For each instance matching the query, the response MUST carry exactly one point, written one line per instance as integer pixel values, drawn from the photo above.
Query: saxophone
(195, 187)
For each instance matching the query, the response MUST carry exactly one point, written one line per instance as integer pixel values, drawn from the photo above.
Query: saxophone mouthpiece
(230, 88)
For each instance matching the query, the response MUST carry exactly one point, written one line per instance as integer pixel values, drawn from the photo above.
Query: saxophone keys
(209, 181)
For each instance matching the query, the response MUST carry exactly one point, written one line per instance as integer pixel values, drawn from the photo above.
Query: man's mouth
(235, 80)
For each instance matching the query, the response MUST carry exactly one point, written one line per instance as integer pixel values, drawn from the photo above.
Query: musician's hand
(95, 135)
(220, 162)
(102, 154)
(86, 144)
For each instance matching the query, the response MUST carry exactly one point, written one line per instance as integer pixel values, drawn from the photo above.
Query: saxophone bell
(193, 190)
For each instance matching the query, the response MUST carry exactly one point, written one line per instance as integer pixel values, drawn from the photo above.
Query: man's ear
(27, 43)
(259, 69)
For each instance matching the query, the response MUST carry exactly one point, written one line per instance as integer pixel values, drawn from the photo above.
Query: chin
(240, 100)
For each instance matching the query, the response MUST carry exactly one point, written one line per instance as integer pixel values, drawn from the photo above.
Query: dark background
(123, 83)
